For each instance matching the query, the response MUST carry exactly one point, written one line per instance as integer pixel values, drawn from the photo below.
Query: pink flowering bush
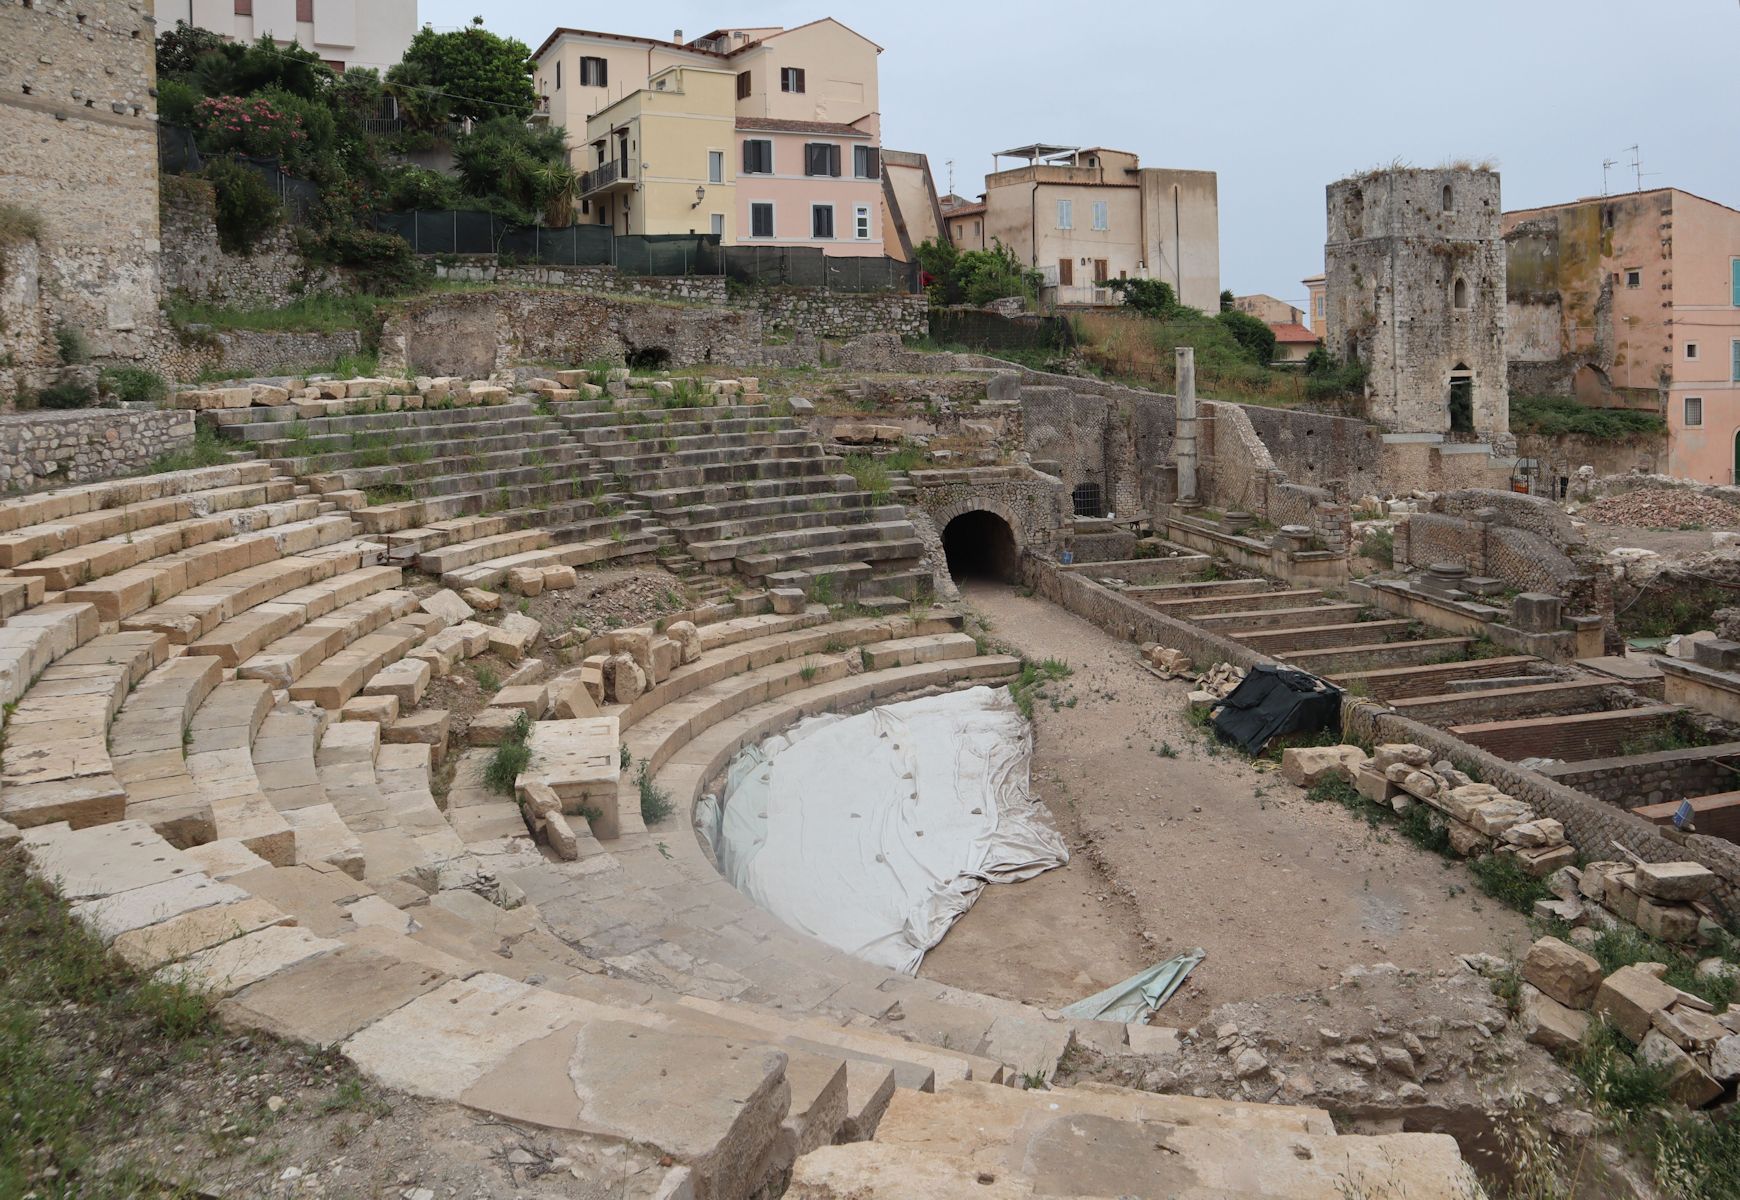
(251, 125)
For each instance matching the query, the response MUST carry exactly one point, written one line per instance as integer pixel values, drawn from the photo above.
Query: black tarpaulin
(1272, 701)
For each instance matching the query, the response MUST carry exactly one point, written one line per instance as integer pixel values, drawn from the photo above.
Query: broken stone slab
(514, 636)
(1629, 999)
(533, 699)
(1538, 864)
(787, 601)
(525, 581)
(1690, 1029)
(447, 605)
(1496, 816)
(481, 600)
(1687, 1082)
(1683, 881)
(1306, 766)
(491, 726)
(1391, 753)
(687, 637)
(1725, 1059)
(1460, 802)
(1535, 834)
(570, 697)
(1374, 785)
(1671, 923)
(560, 578)
(1549, 1024)
(1562, 972)
(624, 681)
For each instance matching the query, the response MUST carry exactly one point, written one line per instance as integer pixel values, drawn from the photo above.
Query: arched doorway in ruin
(980, 545)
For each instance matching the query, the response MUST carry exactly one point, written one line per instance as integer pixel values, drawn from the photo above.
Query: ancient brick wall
(1341, 454)
(53, 448)
(1523, 559)
(1565, 738)
(1536, 514)
(1234, 469)
(1655, 778)
(77, 120)
(196, 266)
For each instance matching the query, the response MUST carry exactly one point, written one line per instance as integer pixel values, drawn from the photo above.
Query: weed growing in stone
(510, 758)
(655, 802)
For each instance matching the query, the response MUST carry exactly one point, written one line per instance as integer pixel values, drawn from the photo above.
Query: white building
(345, 33)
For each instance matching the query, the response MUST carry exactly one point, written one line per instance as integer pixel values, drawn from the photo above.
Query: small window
(1459, 295)
(1102, 215)
(865, 162)
(1102, 272)
(244, 8)
(758, 156)
(822, 158)
(1734, 271)
(791, 79)
(975, 229)
(1633, 278)
(715, 166)
(1449, 199)
(558, 74)
(1694, 410)
(744, 85)
(861, 222)
(761, 220)
(821, 220)
(1066, 214)
(594, 72)
(718, 225)
(305, 12)
(1734, 355)
(1691, 350)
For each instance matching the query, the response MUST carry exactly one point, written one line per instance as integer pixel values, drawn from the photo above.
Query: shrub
(384, 262)
(206, 450)
(135, 385)
(253, 126)
(1252, 334)
(510, 758)
(1379, 545)
(1328, 378)
(18, 225)
(1150, 297)
(66, 395)
(245, 207)
(71, 346)
(975, 276)
(1558, 416)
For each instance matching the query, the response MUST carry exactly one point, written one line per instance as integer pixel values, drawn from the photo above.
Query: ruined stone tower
(1415, 278)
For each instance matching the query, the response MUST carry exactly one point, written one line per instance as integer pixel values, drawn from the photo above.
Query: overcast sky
(1278, 98)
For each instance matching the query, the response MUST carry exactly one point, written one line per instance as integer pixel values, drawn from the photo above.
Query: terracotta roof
(1288, 333)
(964, 210)
(776, 125)
(622, 37)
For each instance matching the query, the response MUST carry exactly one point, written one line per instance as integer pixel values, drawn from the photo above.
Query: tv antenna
(1607, 164)
(950, 164)
(1637, 166)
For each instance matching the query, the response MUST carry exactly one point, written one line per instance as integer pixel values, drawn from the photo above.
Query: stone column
(1184, 437)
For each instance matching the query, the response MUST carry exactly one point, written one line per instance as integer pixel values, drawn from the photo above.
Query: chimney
(677, 36)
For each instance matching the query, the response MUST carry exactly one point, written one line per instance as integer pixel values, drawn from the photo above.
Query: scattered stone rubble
(1563, 992)
(1215, 684)
(1662, 507)
(1478, 818)
(1166, 662)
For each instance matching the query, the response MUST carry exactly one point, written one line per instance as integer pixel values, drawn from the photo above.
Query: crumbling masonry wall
(77, 120)
(197, 267)
(1415, 276)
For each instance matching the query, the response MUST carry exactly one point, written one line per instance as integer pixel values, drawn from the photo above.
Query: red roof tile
(777, 125)
(1286, 332)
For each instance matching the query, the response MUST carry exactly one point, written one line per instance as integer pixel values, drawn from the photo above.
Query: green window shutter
(1734, 267)
(1735, 347)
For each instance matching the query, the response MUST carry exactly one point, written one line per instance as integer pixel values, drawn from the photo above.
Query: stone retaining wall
(198, 268)
(474, 334)
(839, 315)
(240, 353)
(43, 448)
(704, 289)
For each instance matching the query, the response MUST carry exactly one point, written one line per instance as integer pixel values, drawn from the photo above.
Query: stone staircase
(746, 491)
(223, 767)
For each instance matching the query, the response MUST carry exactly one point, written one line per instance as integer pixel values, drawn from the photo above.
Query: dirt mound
(1658, 508)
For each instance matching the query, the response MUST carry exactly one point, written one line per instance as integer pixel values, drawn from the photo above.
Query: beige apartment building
(803, 164)
(1316, 304)
(662, 156)
(345, 33)
(1633, 301)
(1269, 309)
(1085, 216)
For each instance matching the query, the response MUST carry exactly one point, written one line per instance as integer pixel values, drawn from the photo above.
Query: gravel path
(1202, 849)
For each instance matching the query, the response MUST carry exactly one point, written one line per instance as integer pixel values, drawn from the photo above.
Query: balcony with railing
(540, 112)
(613, 174)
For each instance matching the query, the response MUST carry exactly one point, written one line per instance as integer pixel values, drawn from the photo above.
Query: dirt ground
(1197, 848)
(1671, 544)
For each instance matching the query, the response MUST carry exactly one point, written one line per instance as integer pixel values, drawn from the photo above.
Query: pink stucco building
(809, 183)
(1633, 301)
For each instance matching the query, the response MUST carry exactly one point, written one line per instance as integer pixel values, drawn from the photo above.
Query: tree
(1253, 335)
(467, 74)
(974, 276)
(1228, 301)
(1150, 297)
(518, 172)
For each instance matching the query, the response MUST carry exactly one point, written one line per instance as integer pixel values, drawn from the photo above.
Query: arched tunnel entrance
(980, 545)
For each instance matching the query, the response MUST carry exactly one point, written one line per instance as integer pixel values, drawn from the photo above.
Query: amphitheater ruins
(441, 744)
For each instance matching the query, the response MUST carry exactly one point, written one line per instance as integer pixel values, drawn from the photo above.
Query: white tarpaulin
(876, 832)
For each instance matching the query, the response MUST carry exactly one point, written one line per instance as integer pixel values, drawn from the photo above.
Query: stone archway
(981, 545)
